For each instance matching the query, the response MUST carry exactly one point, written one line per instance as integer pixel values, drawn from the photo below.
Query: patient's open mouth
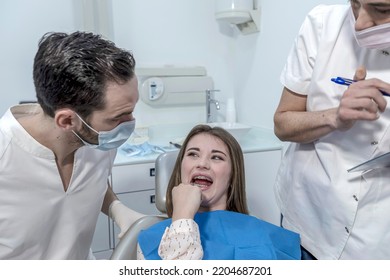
(202, 181)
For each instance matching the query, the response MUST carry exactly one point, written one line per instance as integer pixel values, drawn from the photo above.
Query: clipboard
(377, 162)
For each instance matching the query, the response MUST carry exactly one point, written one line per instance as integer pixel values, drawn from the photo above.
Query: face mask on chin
(376, 37)
(108, 140)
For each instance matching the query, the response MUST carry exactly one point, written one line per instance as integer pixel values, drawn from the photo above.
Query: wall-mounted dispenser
(174, 86)
(156, 88)
(243, 13)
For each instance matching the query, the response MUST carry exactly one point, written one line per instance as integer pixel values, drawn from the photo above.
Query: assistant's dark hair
(72, 71)
(236, 198)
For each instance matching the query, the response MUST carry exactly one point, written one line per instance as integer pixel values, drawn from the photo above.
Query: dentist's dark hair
(236, 198)
(73, 70)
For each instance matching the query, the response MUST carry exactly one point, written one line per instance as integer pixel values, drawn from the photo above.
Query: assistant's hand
(186, 199)
(361, 101)
(123, 216)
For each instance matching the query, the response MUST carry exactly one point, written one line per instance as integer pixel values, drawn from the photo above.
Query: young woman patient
(206, 203)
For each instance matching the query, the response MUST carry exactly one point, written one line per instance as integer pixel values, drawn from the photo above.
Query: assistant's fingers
(360, 73)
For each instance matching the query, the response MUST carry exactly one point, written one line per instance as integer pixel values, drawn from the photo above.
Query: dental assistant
(56, 156)
(332, 127)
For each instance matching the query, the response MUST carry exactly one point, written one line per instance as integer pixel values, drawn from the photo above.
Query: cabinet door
(140, 201)
(101, 240)
(260, 170)
(133, 177)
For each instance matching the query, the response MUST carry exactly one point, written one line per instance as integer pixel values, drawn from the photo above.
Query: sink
(238, 130)
(162, 134)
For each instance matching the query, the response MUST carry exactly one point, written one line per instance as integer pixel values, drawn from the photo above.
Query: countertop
(257, 139)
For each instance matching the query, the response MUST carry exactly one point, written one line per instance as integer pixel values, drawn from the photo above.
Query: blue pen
(347, 82)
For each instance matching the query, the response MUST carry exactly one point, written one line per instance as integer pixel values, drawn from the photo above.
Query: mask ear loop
(79, 137)
(83, 141)
(90, 127)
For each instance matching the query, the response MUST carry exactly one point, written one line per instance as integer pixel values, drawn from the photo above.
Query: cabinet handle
(152, 172)
(152, 199)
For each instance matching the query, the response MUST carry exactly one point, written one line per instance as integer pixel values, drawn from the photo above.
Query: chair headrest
(164, 167)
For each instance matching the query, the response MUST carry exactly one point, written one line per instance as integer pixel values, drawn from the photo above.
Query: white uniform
(338, 214)
(38, 219)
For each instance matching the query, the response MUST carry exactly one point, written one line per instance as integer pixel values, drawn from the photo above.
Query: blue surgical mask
(108, 140)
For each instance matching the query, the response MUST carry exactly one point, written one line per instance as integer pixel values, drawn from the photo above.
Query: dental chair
(127, 246)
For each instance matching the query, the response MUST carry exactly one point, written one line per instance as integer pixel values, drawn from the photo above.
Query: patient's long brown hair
(236, 198)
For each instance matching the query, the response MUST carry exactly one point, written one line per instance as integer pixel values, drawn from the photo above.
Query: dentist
(56, 156)
(339, 214)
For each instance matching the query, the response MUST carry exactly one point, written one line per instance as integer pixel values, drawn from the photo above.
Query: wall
(179, 32)
(22, 23)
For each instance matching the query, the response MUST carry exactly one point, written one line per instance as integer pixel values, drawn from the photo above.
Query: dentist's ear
(66, 119)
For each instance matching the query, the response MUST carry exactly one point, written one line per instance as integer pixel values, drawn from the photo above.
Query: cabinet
(260, 173)
(102, 244)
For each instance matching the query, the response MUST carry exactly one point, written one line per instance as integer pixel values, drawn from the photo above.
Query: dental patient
(206, 203)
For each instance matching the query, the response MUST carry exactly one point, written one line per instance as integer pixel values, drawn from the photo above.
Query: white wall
(179, 32)
(22, 23)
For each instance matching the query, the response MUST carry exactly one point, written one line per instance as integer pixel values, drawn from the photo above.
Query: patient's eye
(192, 154)
(218, 157)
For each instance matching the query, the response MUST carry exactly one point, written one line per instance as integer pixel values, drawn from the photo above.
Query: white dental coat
(38, 219)
(339, 215)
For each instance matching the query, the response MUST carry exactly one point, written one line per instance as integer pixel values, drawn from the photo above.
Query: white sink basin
(162, 134)
(238, 130)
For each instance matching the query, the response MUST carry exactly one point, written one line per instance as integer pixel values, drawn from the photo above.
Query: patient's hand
(186, 199)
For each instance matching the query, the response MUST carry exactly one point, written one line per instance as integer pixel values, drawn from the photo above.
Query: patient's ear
(67, 119)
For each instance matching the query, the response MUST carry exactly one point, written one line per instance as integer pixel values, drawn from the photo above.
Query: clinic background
(164, 32)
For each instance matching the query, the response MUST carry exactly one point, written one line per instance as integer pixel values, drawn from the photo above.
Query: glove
(123, 216)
